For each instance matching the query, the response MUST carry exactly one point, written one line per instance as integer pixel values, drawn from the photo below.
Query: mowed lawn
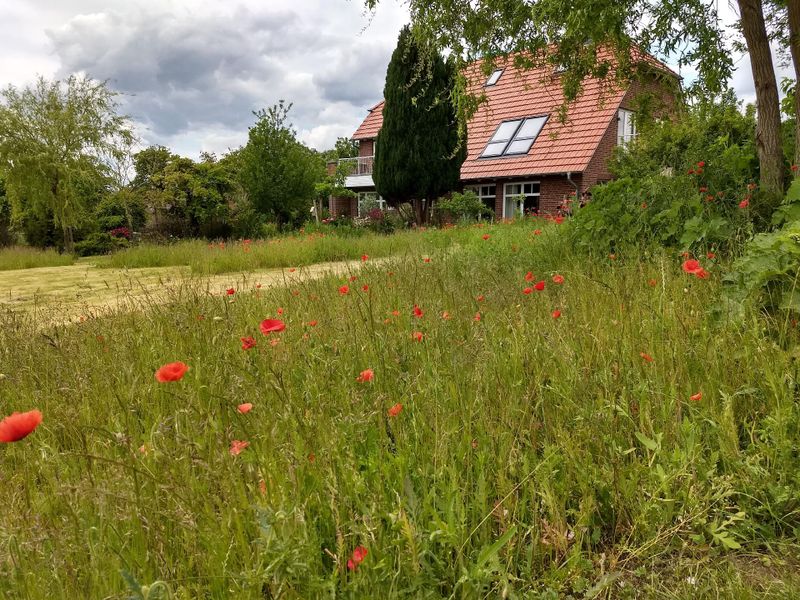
(605, 436)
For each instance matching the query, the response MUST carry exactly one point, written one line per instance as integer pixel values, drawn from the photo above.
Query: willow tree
(574, 35)
(54, 135)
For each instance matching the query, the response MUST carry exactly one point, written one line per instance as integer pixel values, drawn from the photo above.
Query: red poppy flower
(559, 220)
(643, 205)
(556, 314)
(481, 298)
(280, 311)
(693, 267)
(744, 203)
(312, 323)
(793, 168)
(426, 259)
(612, 256)
(237, 446)
(262, 487)
(529, 276)
(268, 326)
(366, 376)
(446, 316)
(395, 410)
(646, 357)
(477, 317)
(248, 343)
(559, 279)
(353, 278)
(418, 312)
(395, 313)
(417, 335)
(343, 290)
(652, 282)
(17, 426)
(312, 457)
(245, 408)
(701, 164)
(364, 258)
(172, 372)
(365, 288)
(527, 290)
(690, 172)
(230, 291)
(486, 236)
(696, 397)
(292, 270)
(537, 232)
(539, 286)
(351, 565)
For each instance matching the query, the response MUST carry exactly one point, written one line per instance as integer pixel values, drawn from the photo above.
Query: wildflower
(359, 554)
(353, 278)
(237, 446)
(344, 290)
(446, 316)
(794, 168)
(477, 317)
(364, 258)
(646, 357)
(366, 376)
(248, 343)
(365, 288)
(312, 323)
(292, 270)
(426, 259)
(701, 164)
(17, 426)
(696, 397)
(559, 220)
(418, 312)
(751, 186)
(644, 205)
(652, 282)
(690, 172)
(559, 279)
(395, 313)
(311, 457)
(539, 286)
(486, 236)
(268, 326)
(230, 291)
(280, 311)
(262, 487)
(527, 290)
(693, 267)
(245, 408)
(274, 342)
(417, 335)
(711, 255)
(529, 276)
(537, 232)
(703, 190)
(395, 410)
(612, 256)
(556, 314)
(171, 372)
(744, 203)
(481, 298)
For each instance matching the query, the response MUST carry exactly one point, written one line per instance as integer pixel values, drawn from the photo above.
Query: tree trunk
(69, 241)
(794, 45)
(768, 129)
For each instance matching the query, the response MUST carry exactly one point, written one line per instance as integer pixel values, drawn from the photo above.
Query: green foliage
(57, 140)
(6, 235)
(99, 243)
(766, 275)
(417, 152)
(462, 207)
(24, 257)
(124, 208)
(665, 210)
(276, 170)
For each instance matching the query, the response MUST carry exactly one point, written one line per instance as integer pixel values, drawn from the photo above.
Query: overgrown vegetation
(625, 446)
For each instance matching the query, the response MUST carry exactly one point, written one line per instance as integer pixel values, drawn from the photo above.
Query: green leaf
(490, 552)
(651, 445)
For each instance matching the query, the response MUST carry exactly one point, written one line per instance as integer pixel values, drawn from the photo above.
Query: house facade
(522, 156)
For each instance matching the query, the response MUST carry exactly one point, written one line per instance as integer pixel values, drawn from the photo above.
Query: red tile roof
(372, 124)
(560, 147)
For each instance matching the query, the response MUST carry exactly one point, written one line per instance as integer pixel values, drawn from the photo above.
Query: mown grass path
(71, 292)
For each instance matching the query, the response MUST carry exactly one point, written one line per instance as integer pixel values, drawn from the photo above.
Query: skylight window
(513, 138)
(494, 77)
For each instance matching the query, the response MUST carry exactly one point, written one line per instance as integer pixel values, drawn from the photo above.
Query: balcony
(359, 171)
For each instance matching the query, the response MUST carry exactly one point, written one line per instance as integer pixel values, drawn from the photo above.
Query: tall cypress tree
(417, 153)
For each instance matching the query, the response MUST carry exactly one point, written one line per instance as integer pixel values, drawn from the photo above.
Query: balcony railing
(361, 165)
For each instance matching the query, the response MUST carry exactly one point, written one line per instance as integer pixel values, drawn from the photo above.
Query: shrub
(100, 243)
(461, 207)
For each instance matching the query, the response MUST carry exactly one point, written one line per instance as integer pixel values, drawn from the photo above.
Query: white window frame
(362, 196)
(521, 184)
(482, 191)
(494, 77)
(626, 127)
(515, 137)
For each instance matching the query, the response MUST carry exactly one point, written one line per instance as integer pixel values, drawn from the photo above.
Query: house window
(513, 138)
(487, 194)
(494, 77)
(520, 198)
(626, 128)
(369, 200)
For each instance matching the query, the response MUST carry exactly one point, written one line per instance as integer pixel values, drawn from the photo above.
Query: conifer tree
(417, 154)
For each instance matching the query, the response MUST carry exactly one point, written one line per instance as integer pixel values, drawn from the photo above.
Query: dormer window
(513, 138)
(494, 77)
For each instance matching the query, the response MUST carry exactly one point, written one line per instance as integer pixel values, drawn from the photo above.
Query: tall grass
(22, 257)
(534, 457)
(290, 251)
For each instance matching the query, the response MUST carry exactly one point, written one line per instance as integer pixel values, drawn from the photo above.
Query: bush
(669, 210)
(461, 207)
(100, 243)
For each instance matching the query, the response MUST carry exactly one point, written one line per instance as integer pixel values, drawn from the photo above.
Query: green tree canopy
(276, 170)
(55, 138)
(417, 154)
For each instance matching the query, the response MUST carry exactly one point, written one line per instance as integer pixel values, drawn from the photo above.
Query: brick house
(521, 157)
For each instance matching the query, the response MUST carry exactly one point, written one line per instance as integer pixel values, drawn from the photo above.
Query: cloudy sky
(192, 71)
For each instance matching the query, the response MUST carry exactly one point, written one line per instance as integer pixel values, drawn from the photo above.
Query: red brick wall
(343, 206)
(366, 148)
(553, 190)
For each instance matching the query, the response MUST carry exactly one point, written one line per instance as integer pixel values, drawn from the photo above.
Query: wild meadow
(501, 417)
(22, 257)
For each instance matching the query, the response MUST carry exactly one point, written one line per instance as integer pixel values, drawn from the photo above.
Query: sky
(191, 72)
